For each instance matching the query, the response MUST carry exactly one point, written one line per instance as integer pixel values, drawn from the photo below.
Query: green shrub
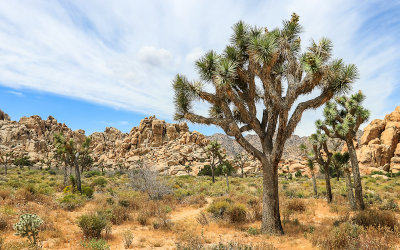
(253, 231)
(236, 213)
(99, 181)
(142, 218)
(297, 174)
(96, 244)
(127, 238)
(375, 218)
(28, 226)
(218, 207)
(390, 205)
(92, 173)
(87, 191)
(71, 201)
(92, 225)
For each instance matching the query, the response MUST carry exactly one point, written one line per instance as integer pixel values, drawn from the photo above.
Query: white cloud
(157, 57)
(19, 94)
(125, 54)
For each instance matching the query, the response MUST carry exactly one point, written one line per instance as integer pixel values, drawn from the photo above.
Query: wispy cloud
(16, 93)
(124, 54)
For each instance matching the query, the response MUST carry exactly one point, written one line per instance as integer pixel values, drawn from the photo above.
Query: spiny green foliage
(23, 161)
(28, 226)
(344, 116)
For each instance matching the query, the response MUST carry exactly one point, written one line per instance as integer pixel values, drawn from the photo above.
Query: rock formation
(379, 145)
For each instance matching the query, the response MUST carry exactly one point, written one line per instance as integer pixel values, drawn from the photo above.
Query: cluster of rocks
(379, 146)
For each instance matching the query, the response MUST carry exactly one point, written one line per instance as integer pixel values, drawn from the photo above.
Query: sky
(98, 63)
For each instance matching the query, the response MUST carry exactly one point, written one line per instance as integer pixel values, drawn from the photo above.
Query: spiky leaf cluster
(344, 116)
(28, 226)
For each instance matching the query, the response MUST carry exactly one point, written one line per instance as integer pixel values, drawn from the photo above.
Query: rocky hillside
(163, 146)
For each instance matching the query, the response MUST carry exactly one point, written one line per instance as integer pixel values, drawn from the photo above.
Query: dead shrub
(4, 222)
(198, 200)
(296, 205)
(142, 218)
(189, 240)
(202, 219)
(147, 181)
(5, 193)
(255, 209)
(375, 218)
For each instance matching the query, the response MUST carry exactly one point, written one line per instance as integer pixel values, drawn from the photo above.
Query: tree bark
(242, 172)
(314, 183)
(356, 175)
(77, 173)
(328, 185)
(65, 173)
(349, 188)
(227, 181)
(212, 174)
(271, 220)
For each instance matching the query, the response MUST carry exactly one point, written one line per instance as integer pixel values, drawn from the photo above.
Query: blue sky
(99, 63)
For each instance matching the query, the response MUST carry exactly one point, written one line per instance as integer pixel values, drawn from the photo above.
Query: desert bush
(218, 208)
(127, 237)
(296, 205)
(96, 244)
(162, 220)
(188, 239)
(372, 198)
(236, 213)
(233, 245)
(142, 218)
(132, 199)
(147, 181)
(390, 205)
(253, 231)
(92, 225)
(343, 237)
(297, 174)
(99, 181)
(375, 218)
(255, 209)
(119, 214)
(5, 193)
(4, 222)
(28, 226)
(87, 191)
(92, 173)
(199, 200)
(71, 201)
(202, 219)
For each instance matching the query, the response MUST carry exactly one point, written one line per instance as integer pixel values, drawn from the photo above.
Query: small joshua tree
(341, 161)
(216, 156)
(324, 157)
(240, 159)
(342, 120)
(29, 226)
(310, 165)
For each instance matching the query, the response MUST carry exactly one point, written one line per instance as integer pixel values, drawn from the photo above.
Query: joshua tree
(61, 153)
(342, 120)
(310, 165)
(323, 156)
(6, 157)
(216, 156)
(240, 159)
(341, 161)
(85, 160)
(263, 72)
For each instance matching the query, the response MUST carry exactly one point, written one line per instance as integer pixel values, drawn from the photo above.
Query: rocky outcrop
(379, 146)
(4, 116)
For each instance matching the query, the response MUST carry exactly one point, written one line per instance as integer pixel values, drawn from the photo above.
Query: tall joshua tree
(342, 120)
(240, 159)
(262, 73)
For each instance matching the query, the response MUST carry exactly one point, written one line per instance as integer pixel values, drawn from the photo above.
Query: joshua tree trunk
(314, 183)
(356, 175)
(271, 220)
(212, 174)
(77, 173)
(65, 173)
(328, 185)
(227, 181)
(242, 172)
(5, 167)
(349, 188)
